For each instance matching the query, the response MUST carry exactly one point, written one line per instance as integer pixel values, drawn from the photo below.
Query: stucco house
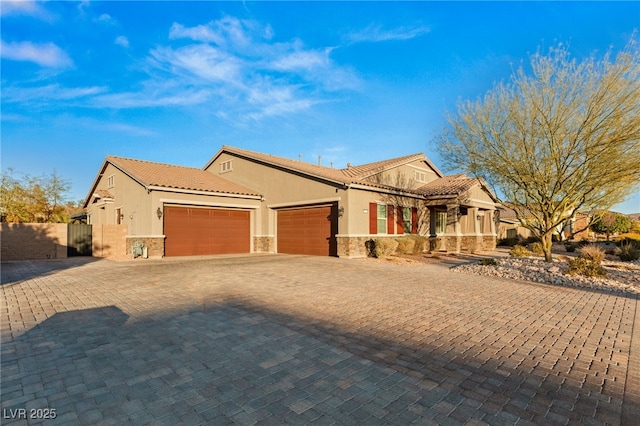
(244, 201)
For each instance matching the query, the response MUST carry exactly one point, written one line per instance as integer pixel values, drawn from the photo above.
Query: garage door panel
(309, 230)
(203, 231)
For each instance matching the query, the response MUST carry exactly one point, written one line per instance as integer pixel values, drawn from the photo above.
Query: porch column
(454, 232)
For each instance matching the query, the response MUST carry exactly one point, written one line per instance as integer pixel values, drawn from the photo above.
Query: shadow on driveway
(236, 361)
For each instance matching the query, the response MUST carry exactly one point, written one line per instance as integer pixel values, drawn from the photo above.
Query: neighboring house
(577, 227)
(289, 206)
(510, 226)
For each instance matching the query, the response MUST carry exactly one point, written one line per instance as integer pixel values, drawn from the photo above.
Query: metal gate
(78, 239)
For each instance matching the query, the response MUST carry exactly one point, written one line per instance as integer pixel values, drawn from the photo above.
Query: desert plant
(488, 262)
(586, 267)
(583, 242)
(519, 251)
(536, 248)
(570, 247)
(593, 253)
(384, 247)
(629, 252)
(405, 245)
(629, 239)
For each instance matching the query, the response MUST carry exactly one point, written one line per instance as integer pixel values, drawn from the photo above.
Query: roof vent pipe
(319, 160)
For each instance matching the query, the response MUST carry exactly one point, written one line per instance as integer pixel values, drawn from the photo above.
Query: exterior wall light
(159, 213)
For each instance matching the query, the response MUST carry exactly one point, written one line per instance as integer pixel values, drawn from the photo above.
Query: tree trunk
(547, 242)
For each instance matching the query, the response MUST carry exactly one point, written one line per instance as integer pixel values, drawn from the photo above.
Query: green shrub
(519, 251)
(629, 252)
(384, 247)
(586, 267)
(405, 245)
(593, 253)
(508, 242)
(570, 247)
(536, 248)
(488, 262)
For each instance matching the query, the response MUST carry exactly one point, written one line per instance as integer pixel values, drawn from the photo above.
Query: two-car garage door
(193, 231)
(308, 230)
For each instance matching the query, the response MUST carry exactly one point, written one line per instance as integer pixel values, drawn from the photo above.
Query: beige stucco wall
(358, 209)
(128, 195)
(159, 199)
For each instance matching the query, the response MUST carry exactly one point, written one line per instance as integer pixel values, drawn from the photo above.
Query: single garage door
(308, 230)
(191, 231)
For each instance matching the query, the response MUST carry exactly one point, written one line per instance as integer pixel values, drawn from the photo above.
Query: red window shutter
(414, 220)
(400, 220)
(373, 218)
(390, 221)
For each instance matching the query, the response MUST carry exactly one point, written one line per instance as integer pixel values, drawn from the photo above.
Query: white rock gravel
(622, 277)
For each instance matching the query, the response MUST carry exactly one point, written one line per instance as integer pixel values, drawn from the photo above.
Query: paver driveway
(291, 339)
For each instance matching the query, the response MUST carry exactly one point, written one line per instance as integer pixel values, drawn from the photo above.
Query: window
(225, 166)
(111, 181)
(420, 176)
(441, 222)
(382, 219)
(406, 219)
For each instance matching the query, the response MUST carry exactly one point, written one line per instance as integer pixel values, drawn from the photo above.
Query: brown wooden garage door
(198, 231)
(308, 230)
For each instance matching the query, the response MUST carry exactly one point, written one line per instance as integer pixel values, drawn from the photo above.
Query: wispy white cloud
(24, 8)
(376, 33)
(45, 55)
(106, 18)
(126, 128)
(162, 95)
(232, 66)
(52, 92)
(237, 63)
(122, 41)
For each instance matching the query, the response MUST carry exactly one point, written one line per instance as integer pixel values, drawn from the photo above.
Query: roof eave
(92, 189)
(277, 166)
(203, 192)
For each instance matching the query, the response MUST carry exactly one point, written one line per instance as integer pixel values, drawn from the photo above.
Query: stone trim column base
(154, 245)
(263, 244)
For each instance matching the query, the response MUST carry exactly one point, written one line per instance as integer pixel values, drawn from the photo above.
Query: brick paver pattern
(271, 339)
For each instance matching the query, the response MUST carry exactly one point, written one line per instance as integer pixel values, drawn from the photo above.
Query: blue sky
(348, 81)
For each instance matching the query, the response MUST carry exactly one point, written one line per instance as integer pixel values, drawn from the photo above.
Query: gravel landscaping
(623, 277)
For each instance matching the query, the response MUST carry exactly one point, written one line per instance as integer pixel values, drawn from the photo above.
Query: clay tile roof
(103, 193)
(352, 174)
(449, 185)
(169, 176)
